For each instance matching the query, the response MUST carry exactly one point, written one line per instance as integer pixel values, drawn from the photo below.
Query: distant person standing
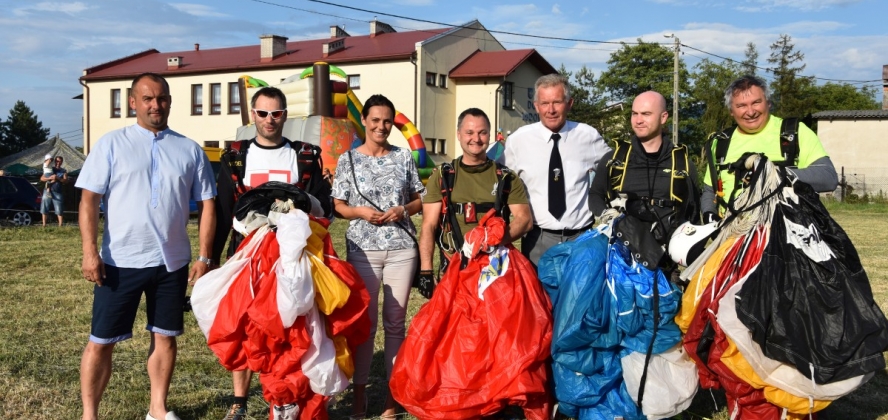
(54, 178)
(556, 159)
(146, 174)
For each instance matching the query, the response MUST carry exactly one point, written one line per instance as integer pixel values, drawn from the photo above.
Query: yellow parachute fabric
(344, 358)
(330, 292)
(734, 360)
(698, 283)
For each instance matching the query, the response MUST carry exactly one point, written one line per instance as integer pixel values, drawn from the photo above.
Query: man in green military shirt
(476, 184)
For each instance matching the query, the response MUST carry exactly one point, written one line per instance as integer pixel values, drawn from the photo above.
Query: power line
(552, 38)
(67, 132)
(771, 70)
(544, 37)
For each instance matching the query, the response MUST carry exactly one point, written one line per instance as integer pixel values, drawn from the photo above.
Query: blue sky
(46, 45)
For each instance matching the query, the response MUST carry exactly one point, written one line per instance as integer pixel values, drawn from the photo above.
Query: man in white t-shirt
(271, 157)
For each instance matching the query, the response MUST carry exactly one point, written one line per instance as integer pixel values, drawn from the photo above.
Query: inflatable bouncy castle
(326, 112)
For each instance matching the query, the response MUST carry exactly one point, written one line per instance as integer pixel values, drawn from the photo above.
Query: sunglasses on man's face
(261, 113)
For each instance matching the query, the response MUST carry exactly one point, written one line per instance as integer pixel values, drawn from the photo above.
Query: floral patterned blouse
(387, 181)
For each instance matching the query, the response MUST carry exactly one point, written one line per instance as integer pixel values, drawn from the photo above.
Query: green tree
(708, 93)
(789, 90)
(634, 69)
(21, 130)
(750, 63)
(843, 96)
(590, 104)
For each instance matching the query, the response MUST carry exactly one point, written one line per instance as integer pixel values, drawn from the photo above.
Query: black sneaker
(236, 412)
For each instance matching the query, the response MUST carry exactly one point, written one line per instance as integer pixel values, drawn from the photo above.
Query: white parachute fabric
(295, 289)
(671, 381)
(209, 290)
(319, 361)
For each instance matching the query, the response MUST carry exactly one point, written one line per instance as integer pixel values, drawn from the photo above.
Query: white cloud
(199, 10)
(68, 8)
(556, 10)
(806, 5)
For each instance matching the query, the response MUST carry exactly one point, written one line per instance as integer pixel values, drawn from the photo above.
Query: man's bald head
(655, 98)
(648, 116)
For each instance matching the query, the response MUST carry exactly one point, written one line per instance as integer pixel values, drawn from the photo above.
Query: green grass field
(45, 318)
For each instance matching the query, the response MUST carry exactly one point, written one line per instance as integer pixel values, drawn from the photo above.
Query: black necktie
(557, 206)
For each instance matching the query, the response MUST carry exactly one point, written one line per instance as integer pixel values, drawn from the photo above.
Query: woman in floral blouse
(377, 188)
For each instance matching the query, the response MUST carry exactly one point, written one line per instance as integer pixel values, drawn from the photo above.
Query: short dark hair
(269, 92)
(475, 112)
(153, 76)
(743, 84)
(377, 100)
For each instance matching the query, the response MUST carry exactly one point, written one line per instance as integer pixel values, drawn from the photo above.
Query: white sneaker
(169, 416)
(286, 412)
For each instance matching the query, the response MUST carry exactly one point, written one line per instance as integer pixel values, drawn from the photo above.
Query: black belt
(566, 232)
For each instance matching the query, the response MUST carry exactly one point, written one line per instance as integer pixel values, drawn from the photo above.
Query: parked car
(19, 200)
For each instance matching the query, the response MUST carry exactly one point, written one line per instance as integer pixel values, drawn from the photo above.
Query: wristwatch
(204, 260)
(406, 213)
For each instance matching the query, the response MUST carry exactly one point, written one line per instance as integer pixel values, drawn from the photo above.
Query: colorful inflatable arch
(354, 108)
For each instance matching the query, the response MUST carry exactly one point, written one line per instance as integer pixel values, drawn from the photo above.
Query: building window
(431, 146)
(115, 103)
(354, 81)
(233, 98)
(442, 147)
(196, 99)
(431, 78)
(215, 98)
(211, 143)
(228, 143)
(130, 111)
(508, 95)
(442, 81)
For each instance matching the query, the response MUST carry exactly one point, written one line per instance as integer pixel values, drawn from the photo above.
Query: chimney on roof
(271, 46)
(337, 31)
(377, 27)
(196, 47)
(174, 63)
(333, 46)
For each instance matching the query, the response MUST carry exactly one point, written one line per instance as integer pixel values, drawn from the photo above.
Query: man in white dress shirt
(558, 155)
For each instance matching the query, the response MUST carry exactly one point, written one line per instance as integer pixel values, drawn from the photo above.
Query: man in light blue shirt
(146, 174)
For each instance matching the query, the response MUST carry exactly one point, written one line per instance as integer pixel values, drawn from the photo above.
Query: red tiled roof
(499, 63)
(387, 46)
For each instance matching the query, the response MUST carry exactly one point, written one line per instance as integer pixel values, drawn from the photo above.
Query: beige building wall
(392, 79)
(854, 143)
(523, 79)
(439, 55)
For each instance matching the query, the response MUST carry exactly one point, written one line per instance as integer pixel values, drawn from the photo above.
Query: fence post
(844, 185)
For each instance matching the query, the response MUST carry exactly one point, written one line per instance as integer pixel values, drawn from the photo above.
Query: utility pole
(675, 88)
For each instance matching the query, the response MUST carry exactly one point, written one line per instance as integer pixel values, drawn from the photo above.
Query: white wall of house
(392, 79)
(438, 55)
(854, 143)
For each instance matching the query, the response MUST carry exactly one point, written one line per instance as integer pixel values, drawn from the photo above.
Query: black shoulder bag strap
(503, 189)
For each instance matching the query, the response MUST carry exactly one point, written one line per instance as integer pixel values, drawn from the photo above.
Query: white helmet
(688, 242)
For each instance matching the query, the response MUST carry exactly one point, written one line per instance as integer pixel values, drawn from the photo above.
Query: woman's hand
(370, 214)
(394, 214)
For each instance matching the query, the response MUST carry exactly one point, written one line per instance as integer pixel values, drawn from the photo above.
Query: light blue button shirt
(146, 182)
